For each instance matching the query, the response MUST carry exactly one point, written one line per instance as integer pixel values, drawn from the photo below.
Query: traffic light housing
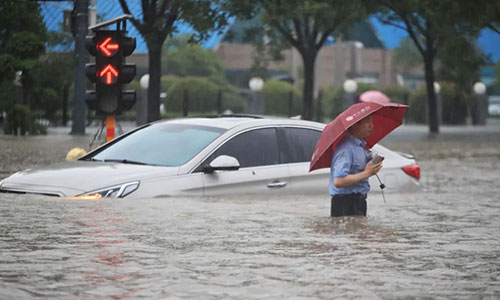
(110, 72)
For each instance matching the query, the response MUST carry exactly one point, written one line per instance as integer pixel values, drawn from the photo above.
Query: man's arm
(370, 170)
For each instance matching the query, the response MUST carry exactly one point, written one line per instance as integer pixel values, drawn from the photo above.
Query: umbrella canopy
(386, 117)
(374, 96)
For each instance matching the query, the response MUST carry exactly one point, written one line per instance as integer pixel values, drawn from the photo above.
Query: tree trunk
(431, 95)
(153, 103)
(309, 60)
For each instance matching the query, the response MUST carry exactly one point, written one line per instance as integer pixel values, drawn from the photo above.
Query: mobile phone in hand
(376, 159)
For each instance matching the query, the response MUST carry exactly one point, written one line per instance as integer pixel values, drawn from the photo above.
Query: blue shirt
(350, 157)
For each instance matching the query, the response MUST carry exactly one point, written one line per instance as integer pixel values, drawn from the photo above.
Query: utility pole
(81, 8)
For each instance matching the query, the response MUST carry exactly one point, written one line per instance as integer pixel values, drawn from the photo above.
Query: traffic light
(110, 72)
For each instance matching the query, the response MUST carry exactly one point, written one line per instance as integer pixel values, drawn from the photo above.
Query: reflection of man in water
(350, 171)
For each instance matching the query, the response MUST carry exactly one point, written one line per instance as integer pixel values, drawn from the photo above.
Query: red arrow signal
(107, 48)
(108, 72)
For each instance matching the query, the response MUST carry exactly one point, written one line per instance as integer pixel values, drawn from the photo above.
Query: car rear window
(300, 144)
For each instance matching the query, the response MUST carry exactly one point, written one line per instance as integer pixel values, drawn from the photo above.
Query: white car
(494, 106)
(203, 157)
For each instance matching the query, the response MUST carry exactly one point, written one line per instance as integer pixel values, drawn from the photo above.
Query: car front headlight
(117, 191)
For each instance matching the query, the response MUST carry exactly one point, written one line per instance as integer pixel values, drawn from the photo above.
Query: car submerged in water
(204, 157)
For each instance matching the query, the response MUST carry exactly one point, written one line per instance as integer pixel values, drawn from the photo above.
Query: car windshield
(162, 144)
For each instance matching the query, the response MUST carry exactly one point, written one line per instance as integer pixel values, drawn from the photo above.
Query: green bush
(277, 95)
(397, 94)
(134, 85)
(21, 118)
(7, 95)
(454, 105)
(167, 81)
(48, 102)
(418, 103)
(233, 101)
(202, 95)
(363, 87)
(333, 98)
(128, 115)
(332, 101)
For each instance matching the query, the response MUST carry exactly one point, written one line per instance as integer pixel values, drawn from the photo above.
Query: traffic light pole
(79, 107)
(110, 127)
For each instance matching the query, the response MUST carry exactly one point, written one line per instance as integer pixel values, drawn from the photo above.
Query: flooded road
(441, 243)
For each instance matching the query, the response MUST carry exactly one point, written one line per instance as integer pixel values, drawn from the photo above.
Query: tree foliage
(158, 20)
(429, 24)
(18, 16)
(406, 56)
(482, 13)
(460, 61)
(22, 41)
(184, 58)
(55, 78)
(304, 25)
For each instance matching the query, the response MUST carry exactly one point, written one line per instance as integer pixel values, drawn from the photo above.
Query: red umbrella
(374, 96)
(386, 117)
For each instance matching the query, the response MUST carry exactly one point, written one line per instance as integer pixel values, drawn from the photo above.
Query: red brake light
(413, 171)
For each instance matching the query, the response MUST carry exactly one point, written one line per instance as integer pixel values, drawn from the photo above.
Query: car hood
(76, 177)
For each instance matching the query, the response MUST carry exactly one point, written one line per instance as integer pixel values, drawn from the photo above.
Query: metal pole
(110, 127)
(81, 23)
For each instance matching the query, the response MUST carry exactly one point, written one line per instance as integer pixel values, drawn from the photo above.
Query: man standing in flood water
(350, 170)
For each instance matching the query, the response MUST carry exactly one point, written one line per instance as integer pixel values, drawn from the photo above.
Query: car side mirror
(222, 163)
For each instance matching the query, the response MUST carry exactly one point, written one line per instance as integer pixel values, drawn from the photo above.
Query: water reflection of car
(203, 157)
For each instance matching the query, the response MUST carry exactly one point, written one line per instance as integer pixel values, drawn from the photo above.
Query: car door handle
(277, 184)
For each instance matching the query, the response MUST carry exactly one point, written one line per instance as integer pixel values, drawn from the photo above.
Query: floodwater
(440, 243)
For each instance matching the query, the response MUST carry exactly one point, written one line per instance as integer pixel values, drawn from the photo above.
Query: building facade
(335, 63)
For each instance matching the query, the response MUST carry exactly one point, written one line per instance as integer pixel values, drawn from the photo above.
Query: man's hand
(371, 170)
(349, 180)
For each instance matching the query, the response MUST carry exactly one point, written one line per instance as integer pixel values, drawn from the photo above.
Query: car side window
(253, 148)
(300, 144)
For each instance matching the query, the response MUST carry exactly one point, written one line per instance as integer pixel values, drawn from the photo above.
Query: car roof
(229, 122)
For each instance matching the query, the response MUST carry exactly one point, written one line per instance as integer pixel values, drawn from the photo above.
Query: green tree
(459, 62)
(304, 25)
(406, 56)
(429, 24)
(184, 58)
(60, 66)
(18, 16)
(160, 19)
(494, 16)
(52, 87)
(482, 14)
(22, 41)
